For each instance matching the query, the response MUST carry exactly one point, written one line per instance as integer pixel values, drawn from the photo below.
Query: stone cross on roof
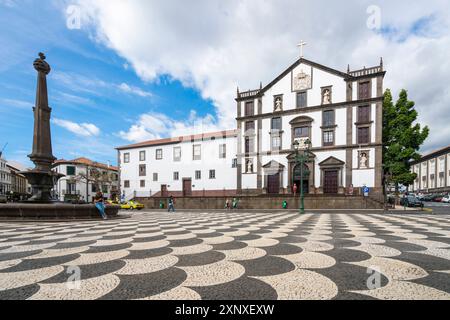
(301, 45)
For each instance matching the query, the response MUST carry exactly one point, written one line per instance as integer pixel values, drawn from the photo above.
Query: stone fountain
(42, 179)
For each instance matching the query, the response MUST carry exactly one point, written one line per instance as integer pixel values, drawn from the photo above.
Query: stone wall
(267, 202)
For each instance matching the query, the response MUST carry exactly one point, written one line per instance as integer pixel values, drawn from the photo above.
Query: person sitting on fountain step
(98, 199)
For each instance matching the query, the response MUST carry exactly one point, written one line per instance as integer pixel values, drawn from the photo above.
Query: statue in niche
(249, 166)
(363, 160)
(326, 96)
(302, 81)
(278, 104)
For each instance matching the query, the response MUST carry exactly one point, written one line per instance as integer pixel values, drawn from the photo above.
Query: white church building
(339, 113)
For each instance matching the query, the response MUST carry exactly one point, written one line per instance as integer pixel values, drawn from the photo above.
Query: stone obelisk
(42, 178)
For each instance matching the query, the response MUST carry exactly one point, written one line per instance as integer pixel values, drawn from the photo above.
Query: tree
(402, 138)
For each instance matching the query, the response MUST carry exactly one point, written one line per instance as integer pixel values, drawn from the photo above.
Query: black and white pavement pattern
(234, 256)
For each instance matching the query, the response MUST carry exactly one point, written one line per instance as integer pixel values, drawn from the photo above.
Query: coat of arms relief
(301, 81)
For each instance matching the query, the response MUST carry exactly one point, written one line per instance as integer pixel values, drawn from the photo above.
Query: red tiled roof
(86, 161)
(194, 137)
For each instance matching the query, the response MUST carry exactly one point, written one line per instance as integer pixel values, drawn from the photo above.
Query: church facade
(338, 114)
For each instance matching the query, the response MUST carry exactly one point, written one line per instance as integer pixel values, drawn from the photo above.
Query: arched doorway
(301, 181)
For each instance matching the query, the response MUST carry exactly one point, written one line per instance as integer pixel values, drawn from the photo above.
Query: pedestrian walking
(171, 204)
(235, 203)
(227, 204)
(98, 200)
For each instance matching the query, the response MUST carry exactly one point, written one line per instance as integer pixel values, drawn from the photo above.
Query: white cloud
(134, 90)
(215, 45)
(157, 125)
(80, 129)
(91, 85)
(14, 103)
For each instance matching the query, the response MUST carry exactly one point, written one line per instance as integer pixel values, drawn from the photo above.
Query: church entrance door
(273, 184)
(331, 181)
(302, 181)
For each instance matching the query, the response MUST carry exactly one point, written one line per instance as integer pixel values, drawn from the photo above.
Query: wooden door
(331, 182)
(273, 184)
(187, 187)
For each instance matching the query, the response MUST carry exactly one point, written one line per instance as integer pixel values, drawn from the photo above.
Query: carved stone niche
(278, 103)
(327, 95)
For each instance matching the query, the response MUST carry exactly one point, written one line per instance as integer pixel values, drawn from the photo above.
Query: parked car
(426, 198)
(3, 198)
(446, 199)
(134, 205)
(411, 201)
(437, 198)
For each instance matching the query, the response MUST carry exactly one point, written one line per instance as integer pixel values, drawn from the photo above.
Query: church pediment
(331, 161)
(273, 165)
(291, 157)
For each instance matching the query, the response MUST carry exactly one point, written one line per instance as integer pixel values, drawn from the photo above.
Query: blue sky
(142, 69)
(89, 84)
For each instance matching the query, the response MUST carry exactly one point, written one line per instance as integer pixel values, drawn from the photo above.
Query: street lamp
(301, 159)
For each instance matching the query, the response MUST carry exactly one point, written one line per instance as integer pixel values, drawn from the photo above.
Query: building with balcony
(84, 178)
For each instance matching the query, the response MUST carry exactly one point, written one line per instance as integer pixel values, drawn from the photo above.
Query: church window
(126, 158)
(212, 174)
(198, 175)
(364, 114)
(328, 118)
(364, 90)
(222, 151)
(301, 132)
(249, 127)
(142, 156)
(249, 144)
(276, 142)
(328, 138)
(276, 124)
(363, 135)
(249, 109)
(302, 99)
(126, 183)
(159, 154)
(177, 154)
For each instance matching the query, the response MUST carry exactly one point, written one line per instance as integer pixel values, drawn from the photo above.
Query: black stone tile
(244, 288)
(425, 261)
(349, 277)
(89, 271)
(145, 285)
(109, 248)
(437, 280)
(185, 242)
(282, 249)
(247, 237)
(209, 235)
(17, 255)
(151, 253)
(266, 266)
(69, 245)
(33, 264)
(403, 246)
(234, 245)
(149, 239)
(200, 259)
(348, 255)
(21, 293)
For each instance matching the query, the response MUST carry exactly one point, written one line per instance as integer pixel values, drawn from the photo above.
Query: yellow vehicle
(134, 205)
(125, 206)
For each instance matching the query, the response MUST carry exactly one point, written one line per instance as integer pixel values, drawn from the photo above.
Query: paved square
(235, 255)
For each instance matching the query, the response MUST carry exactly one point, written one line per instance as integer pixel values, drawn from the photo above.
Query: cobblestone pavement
(234, 255)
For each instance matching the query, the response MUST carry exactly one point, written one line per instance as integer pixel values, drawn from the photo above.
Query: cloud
(82, 129)
(17, 104)
(157, 125)
(94, 86)
(134, 90)
(213, 46)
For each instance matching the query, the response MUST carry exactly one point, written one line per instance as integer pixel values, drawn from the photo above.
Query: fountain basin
(56, 210)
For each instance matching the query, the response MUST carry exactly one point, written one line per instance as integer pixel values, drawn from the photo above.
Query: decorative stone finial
(41, 65)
